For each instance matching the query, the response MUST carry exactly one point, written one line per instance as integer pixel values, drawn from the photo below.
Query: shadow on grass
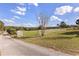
(72, 33)
(54, 38)
(25, 37)
(49, 38)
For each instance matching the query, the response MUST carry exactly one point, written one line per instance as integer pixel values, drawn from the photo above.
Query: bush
(11, 31)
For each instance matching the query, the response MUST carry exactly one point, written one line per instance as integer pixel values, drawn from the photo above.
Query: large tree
(43, 21)
(77, 22)
(63, 25)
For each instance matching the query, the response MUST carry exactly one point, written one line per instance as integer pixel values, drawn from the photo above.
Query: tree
(1, 26)
(77, 21)
(11, 31)
(43, 21)
(63, 25)
(57, 25)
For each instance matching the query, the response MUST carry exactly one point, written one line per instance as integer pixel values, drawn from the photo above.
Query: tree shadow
(54, 38)
(71, 33)
(26, 37)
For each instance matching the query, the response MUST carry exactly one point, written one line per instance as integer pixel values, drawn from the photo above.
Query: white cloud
(76, 9)
(19, 10)
(35, 4)
(52, 18)
(16, 17)
(20, 13)
(8, 20)
(27, 24)
(23, 9)
(63, 10)
(23, 24)
(22, 4)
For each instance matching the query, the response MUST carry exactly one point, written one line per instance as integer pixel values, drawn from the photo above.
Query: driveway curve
(13, 47)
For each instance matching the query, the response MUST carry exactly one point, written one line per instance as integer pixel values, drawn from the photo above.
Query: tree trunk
(42, 31)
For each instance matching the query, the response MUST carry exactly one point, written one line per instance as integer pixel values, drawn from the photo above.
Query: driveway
(13, 47)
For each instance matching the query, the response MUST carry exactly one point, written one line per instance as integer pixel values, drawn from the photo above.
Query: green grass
(60, 39)
(30, 33)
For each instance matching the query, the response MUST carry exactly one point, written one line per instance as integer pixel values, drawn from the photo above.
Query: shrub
(11, 31)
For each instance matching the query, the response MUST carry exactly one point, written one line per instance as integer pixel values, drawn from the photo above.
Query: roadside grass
(59, 39)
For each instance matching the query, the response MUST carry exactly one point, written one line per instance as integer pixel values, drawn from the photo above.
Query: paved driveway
(12, 47)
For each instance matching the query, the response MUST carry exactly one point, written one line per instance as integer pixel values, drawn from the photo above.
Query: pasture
(65, 40)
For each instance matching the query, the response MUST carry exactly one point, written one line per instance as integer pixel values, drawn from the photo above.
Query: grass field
(30, 33)
(59, 39)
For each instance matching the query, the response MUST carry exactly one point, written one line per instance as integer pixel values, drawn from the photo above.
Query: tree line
(43, 22)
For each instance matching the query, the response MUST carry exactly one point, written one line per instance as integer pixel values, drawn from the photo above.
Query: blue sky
(19, 14)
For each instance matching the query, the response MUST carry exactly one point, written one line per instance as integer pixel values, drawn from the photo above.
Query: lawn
(30, 33)
(59, 39)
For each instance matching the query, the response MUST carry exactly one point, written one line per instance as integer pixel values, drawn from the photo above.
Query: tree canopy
(77, 21)
(63, 24)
